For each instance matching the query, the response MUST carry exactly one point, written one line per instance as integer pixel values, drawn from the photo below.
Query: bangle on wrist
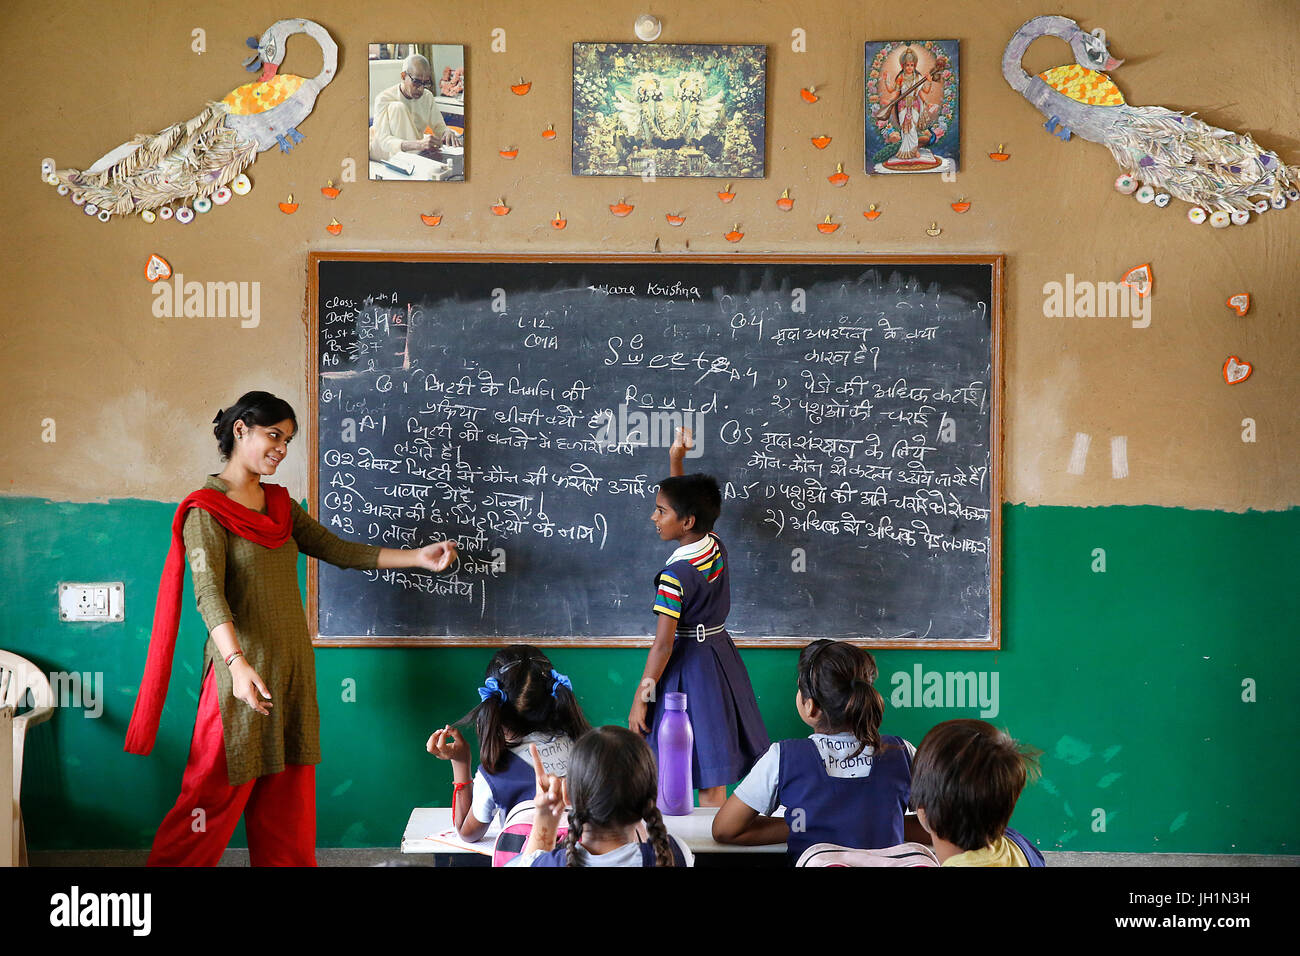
(231, 659)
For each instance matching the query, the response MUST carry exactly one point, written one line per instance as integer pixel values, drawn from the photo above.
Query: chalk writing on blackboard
(526, 408)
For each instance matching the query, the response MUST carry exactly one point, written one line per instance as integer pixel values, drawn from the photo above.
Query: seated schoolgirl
(524, 703)
(612, 784)
(845, 784)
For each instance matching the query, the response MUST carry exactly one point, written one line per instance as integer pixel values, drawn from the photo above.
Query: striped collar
(689, 552)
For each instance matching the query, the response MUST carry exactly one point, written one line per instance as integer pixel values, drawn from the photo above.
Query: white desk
(430, 831)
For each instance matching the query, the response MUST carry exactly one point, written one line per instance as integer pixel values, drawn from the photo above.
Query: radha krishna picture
(911, 106)
(655, 110)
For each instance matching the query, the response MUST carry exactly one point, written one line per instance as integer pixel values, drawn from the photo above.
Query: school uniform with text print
(830, 794)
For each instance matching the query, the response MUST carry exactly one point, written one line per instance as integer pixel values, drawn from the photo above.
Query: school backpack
(514, 833)
(1032, 856)
(904, 854)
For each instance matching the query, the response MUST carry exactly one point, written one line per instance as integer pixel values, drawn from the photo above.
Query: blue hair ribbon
(559, 679)
(491, 687)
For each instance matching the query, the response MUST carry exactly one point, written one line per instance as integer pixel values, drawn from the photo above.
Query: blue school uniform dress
(694, 588)
(830, 795)
(516, 780)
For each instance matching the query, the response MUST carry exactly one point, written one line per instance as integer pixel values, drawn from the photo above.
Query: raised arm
(548, 807)
(683, 443)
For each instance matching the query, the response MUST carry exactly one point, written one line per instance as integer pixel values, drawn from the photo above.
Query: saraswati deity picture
(654, 110)
(911, 94)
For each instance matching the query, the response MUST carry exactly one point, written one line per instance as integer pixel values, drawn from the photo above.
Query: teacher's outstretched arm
(316, 540)
(433, 557)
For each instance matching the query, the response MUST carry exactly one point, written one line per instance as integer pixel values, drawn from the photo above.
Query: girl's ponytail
(566, 714)
(840, 677)
(489, 728)
(866, 709)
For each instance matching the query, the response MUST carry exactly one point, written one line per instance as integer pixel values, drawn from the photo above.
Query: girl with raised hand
(612, 784)
(524, 703)
(692, 652)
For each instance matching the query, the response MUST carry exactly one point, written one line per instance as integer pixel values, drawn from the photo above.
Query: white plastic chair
(18, 676)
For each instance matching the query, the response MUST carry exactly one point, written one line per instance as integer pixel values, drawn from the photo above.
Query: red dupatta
(270, 530)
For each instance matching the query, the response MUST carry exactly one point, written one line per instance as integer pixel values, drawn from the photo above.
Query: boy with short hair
(966, 779)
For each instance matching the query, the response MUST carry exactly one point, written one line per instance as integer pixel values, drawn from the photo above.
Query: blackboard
(849, 406)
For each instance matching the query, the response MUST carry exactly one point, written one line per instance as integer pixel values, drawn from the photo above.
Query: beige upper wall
(132, 394)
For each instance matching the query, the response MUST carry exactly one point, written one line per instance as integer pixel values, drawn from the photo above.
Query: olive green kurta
(257, 588)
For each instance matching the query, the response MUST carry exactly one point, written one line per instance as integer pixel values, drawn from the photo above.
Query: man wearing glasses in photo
(404, 112)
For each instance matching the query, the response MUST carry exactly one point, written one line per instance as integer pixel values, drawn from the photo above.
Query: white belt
(701, 632)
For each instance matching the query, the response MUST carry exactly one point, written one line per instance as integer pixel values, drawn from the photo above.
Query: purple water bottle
(676, 743)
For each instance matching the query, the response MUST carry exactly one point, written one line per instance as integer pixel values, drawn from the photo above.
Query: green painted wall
(1131, 681)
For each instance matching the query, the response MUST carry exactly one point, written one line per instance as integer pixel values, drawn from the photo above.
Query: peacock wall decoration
(188, 167)
(1225, 175)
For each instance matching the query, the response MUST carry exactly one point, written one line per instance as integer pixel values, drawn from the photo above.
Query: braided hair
(526, 698)
(576, 822)
(840, 677)
(658, 832)
(613, 782)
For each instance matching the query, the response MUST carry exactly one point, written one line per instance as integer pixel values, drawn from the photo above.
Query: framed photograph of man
(655, 109)
(417, 112)
(912, 106)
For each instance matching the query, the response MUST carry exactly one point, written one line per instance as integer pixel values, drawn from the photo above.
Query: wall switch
(102, 601)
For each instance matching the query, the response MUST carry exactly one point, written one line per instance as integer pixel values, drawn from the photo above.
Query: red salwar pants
(279, 809)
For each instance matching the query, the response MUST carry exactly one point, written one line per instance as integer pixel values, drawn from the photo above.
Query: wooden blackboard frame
(997, 262)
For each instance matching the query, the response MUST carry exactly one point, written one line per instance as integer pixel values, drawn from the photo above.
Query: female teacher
(257, 735)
